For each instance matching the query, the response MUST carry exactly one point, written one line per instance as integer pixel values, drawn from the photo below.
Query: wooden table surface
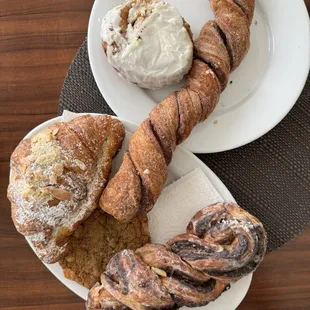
(39, 39)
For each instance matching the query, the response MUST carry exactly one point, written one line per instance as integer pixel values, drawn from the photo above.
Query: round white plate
(183, 162)
(262, 91)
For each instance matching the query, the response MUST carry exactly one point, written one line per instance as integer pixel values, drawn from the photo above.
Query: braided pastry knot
(219, 49)
(222, 244)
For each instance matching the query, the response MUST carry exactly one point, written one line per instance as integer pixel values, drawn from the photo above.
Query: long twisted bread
(223, 243)
(219, 49)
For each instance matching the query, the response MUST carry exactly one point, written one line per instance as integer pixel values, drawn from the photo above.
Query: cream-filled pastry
(148, 43)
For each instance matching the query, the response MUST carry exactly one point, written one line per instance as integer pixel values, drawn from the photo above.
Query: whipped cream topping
(147, 43)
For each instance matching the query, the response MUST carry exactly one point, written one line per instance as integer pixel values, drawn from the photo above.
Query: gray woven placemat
(269, 177)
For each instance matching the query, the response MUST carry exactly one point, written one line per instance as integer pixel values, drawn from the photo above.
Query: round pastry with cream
(148, 43)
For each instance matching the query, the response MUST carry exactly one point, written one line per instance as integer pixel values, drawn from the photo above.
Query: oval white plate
(263, 90)
(183, 162)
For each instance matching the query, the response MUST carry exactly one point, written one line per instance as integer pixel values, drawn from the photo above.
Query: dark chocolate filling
(191, 250)
(205, 223)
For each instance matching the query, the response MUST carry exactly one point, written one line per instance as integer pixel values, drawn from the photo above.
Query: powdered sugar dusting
(57, 185)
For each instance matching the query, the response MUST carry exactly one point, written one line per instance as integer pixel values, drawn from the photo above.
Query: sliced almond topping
(22, 167)
(27, 192)
(160, 272)
(55, 131)
(80, 164)
(58, 193)
(70, 259)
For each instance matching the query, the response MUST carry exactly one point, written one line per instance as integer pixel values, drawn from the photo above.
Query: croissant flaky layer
(219, 49)
(57, 177)
(222, 244)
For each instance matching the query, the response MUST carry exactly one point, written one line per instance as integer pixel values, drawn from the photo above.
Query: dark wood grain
(308, 5)
(39, 38)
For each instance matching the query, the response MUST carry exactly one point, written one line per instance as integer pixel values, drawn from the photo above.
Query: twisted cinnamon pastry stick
(219, 49)
(222, 244)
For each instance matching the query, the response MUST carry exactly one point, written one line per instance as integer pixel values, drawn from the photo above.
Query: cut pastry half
(148, 43)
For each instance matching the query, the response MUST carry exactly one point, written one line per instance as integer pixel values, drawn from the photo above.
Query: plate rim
(219, 185)
(268, 125)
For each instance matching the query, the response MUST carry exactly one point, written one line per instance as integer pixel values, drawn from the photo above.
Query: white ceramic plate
(264, 88)
(183, 162)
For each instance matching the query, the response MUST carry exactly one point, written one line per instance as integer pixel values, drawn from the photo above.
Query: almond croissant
(57, 177)
(219, 49)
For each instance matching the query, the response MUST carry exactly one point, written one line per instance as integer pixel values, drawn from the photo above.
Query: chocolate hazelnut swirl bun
(220, 48)
(223, 243)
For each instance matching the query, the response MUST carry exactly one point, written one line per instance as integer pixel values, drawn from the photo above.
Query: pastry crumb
(96, 241)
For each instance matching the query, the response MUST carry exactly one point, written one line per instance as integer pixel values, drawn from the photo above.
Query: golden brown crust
(204, 82)
(210, 48)
(57, 177)
(247, 6)
(164, 119)
(148, 158)
(235, 26)
(189, 115)
(236, 240)
(94, 243)
(223, 243)
(140, 180)
(219, 49)
(129, 280)
(195, 289)
(188, 29)
(197, 104)
(125, 187)
(99, 298)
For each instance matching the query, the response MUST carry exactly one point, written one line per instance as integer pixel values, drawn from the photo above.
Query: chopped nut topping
(70, 259)
(160, 272)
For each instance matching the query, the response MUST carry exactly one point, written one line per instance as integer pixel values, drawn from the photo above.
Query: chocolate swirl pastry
(188, 286)
(219, 49)
(223, 243)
